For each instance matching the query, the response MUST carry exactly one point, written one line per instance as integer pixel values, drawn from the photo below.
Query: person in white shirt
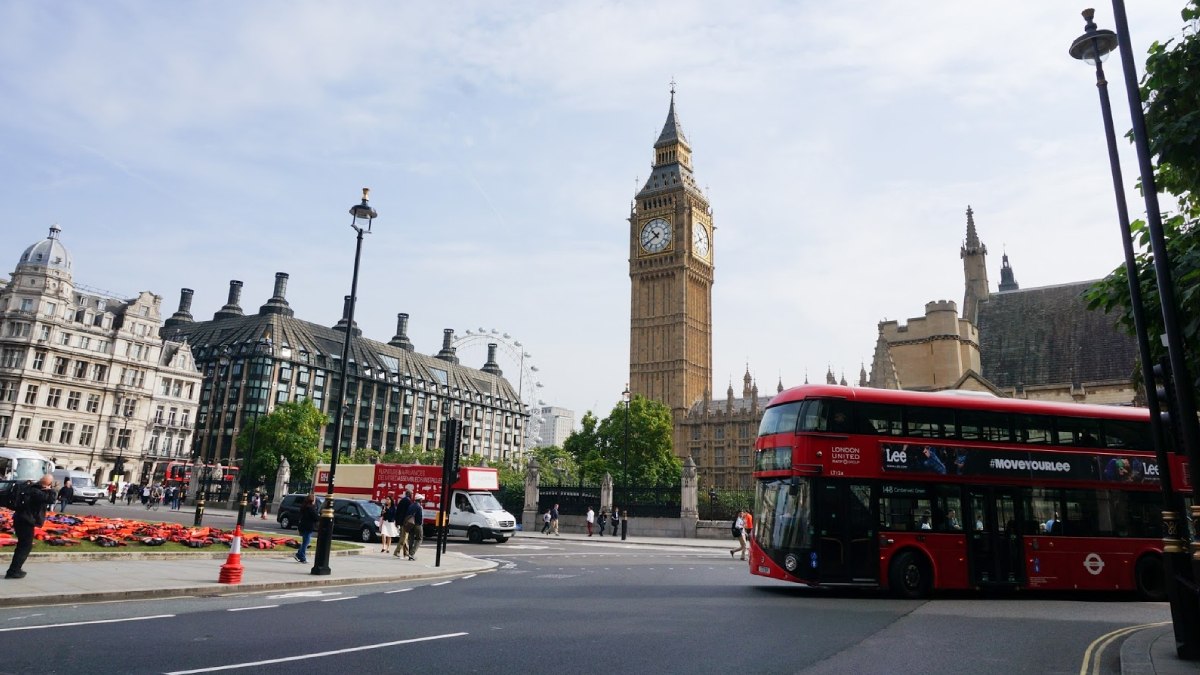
(591, 518)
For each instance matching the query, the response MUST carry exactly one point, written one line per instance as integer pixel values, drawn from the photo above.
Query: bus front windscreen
(784, 514)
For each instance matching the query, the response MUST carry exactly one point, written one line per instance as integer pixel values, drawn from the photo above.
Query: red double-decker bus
(178, 473)
(913, 491)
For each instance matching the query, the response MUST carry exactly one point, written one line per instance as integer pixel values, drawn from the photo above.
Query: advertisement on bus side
(959, 461)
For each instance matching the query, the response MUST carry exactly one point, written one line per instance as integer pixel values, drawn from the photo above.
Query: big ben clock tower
(671, 278)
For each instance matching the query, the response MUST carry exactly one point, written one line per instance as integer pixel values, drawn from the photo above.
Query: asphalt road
(555, 606)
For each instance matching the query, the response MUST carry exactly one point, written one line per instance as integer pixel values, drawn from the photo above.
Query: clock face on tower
(656, 236)
(700, 240)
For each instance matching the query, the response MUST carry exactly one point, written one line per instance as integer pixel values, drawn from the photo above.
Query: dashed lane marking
(247, 609)
(398, 590)
(303, 594)
(348, 597)
(440, 583)
(87, 623)
(316, 655)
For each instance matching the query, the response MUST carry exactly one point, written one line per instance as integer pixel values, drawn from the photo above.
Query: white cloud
(186, 144)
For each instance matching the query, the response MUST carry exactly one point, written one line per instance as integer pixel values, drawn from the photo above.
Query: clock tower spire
(671, 278)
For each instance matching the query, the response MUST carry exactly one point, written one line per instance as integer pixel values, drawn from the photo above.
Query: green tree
(1171, 92)
(291, 430)
(652, 463)
(583, 446)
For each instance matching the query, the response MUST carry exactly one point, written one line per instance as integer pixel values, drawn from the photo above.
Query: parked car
(351, 517)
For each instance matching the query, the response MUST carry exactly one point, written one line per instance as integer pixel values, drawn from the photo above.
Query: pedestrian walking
(307, 523)
(414, 524)
(401, 517)
(591, 518)
(65, 494)
(130, 491)
(146, 496)
(255, 502)
(387, 527)
(739, 533)
(615, 521)
(554, 521)
(602, 521)
(112, 493)
(546, 522)
(30, 512)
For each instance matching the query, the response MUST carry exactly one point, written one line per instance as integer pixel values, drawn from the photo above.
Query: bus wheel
(910, 576)
(475, 536)
(1150, 580)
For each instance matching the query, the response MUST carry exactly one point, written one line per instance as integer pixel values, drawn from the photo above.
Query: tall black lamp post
(202, 470)
(1092, 47)
(262, 348)
(362, 215)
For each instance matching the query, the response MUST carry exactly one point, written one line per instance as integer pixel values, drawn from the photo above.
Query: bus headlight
(791, 562)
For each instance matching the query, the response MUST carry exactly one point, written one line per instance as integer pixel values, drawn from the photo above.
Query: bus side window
(839, 416)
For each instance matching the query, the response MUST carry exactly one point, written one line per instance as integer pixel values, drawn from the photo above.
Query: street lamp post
(201, 470)
(625, 465)
(362, 216)
(1092, 47)
(261, 349)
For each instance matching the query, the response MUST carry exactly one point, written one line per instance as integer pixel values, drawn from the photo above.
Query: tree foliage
(291, 430)
(599, 447)
(1171, 92)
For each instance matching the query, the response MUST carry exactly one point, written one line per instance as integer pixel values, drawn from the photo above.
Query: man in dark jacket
(401, 516)
(417, 515)
(66, 494)
(29, 514)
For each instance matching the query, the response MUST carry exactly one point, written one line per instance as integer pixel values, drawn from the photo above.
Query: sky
(186, 144)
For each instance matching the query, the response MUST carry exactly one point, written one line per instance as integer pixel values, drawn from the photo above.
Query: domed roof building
(85, 378)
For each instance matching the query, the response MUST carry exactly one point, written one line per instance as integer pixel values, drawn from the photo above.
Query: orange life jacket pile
(64, 530)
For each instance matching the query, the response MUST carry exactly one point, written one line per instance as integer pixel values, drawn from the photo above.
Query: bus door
(996, 555)
(846, 545)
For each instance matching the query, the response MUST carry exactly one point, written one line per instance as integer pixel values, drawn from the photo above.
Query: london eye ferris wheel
(518, 367)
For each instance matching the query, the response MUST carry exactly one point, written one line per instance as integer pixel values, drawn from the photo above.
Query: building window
(85, 434)
(80, 370)
(39, 360)
(53, 396)
(73, 400)
(60, 365)
(64, 339)
(8, 392)
(5, 423)
(44, 333)
(23, 428)
(85, 342)
(99, 372)
(31, 392)
(12, 358)
(93, 403)
(46, 434)
(67, 434)
(129, 406)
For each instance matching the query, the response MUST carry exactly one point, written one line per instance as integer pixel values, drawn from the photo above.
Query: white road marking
(302, 594)
(247, 609)
(317, 655)
(469, 576)
(87, 623)
(348, 597)
(400, 590)
(27, 616)
(440, 583)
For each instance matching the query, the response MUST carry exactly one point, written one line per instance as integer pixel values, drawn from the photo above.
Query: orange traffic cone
(231, 571)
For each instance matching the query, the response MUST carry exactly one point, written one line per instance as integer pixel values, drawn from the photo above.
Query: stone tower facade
(671, 278)
(974, 257)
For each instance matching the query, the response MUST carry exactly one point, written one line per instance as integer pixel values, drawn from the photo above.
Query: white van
(85, 488)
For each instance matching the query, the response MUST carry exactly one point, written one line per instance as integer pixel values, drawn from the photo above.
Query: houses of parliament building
(1038, 343)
